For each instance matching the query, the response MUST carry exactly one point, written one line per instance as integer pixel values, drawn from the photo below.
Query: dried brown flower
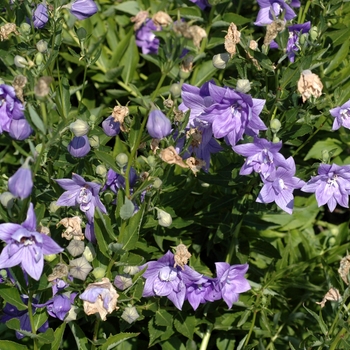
(181, 256)
(344, 269)
(197, 34)
(196, 136)
(42, 87)
(178, 115)
(6, 30)
(161, 19)
(232, 38)
(19, 82)
(59, 271)
(170, 156)
(139, 19)
(73, 228)
(273, 29)
(253, 45)
(195, 164)
(309, 85)
(154, 145)
(331, 295)
(119, 113)
(43, 230)
(187, 64)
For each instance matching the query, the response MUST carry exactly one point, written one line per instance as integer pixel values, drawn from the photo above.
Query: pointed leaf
(115, 340)
(11, 296)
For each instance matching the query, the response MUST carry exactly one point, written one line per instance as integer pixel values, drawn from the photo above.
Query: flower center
(28, 240)
(84, 199)
(167, 273)
(281, 184)
(333, 181)
(345, 113)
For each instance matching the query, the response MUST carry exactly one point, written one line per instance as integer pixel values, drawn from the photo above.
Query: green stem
(206, 338)
(306, 9)
(337, 339)
(232, 248)
(83, 88)
(160, 82)
(95, 336)
(43, 113)
(253, 321)
(31, 319)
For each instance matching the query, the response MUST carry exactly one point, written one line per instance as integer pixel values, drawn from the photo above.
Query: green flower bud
(7, 199)
(41, 46)
(101, 170)
(157, 183)
(331, 241)
(53, 207)
(108, 197)
(121, 159)
(325, 156)
(184, 75)
(20, 62)
(275, 139)
(89, 252)
(220, 60)
(92, 119)
(303, 38)
(94, 141)
(175, 90)
(99, 272)
(164, 218)
(3, 273)
(25, 28)
(50, 257)
(72, 314)
(275, 125)
(39, 58)
(313, 33)
(79, 127)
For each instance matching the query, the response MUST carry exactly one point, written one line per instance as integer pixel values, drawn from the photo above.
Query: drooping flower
(331, 185)
(163, 279)
(20, 129)
(263, 157)
(158, 125)
(341, 115)
(110, 126)
(279, 186)
(293, 41)
(271, 9)
(25, 246)
(79, 146)
(83, 9)
(20, 184)
(10, 312)
(81, 193)
(146, 39)
(40, 16)
(100, 297)
(231, 281)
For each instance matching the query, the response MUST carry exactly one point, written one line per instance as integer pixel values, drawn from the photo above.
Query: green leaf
(265, 248)
(115, 340)
(188, 12)
(127, 209)
(103, 229)
(107, 159)
(340, 56)
(235, 18)
(164, 318)
(10, 345)
(34, 116)
(63, 97)
(80, 337)
(185, 325)
(339, 36)
(130, 7)
(11, 296)
(58, 336)
(206, 72)
(319, 319)
(130, 61)
(331, 145)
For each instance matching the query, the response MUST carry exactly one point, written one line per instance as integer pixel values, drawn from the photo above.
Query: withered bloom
(309, 84)
(195, 164)
(273, 29)
(19, 82)
(59, 271)
(161, 19)
(6, 30)
(139, 19)
(73, 228)
(42, 87)
(119, 113)
(100, 297)
(170, 156)
(181, 256)
(344, 269)
(197, 34)
(232, 38)
(331, 295)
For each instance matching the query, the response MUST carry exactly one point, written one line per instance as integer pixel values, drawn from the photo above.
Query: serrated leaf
(127, 209)
(185, 325)
(12, 296)
(115, 340)
(163, 318)
(331, 145)
(101, 227)
(34, 116)
(319, 319)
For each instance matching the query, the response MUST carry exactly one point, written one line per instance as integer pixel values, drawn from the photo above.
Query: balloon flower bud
(21, 183)
(220, 60)
(41, 46)
(79, 127)
(122, 159)
(20, 61)
(243, 85)
(275, 125)
(79, 147)
(7, 199)
(164, 218)
(158, 125)
(83, 9)
(40, 16)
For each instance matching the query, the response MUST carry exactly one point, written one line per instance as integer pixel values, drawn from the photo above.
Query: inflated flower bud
(53, 207)
(41, 46)
(275, 139)
(79, 147)
(40, 16)
(21, 183)
(130, 314)
(243, 85)
(72, 314)
(25, 28)
(164, 218)
(175, 90)
(94, 141)
(89, 253)
(325, 156)
(275, 125)
(7, 199)
(83, 9)
(313, 33)
(121, 159)
(220, 60)
(39, 58)
(20, 129)
(50, 257)
(20, 62)
(101, 170)
(157, 183)
(79, 127)
(99, 272)
(158, 125)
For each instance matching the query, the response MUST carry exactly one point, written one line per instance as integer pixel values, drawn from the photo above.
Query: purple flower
(146, 39)
(10, 107)
(293, 42)
(110, 127)
(331, 185)
(79, 147)
(341, 115)
(10, 312)
(20, 129)
(279, 187)
(202, 293)
(82, 193)
(116, 181)
(262, 157)
(163, 279)
(40, 16)
(20, 184)
(26, 246)
(231, 281)
(83, 9)
(271, 9)
(202, 4)
(158, 125)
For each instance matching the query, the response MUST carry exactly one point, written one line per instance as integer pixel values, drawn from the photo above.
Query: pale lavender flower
(279, 187)
(79, 146)
(146, 39)
(231, 281)
(81, 193)
(40, 16)
(10, 312)
(331, 185)
(163, 279)
(25, 246)
(263, 157)
(272, 9)
(83, 9)
(293, 42)
(202, 4)
(110, 127)
(115, 181)
(158, 125)
(341, 115)
(20, 184)
(20, 129)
